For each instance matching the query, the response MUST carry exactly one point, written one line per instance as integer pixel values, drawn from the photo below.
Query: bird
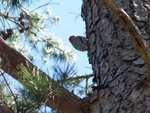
(79, 43)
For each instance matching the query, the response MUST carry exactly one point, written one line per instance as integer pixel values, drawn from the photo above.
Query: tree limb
(10, 59)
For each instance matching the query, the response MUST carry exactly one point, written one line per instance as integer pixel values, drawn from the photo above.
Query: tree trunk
(119, 70)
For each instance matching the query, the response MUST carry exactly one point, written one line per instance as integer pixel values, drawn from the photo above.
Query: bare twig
(80, 77)
(46, 4)
(86, 87)
(12, 19)
(2, 74)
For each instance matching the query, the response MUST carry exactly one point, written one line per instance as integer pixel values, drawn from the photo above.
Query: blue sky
(71, 23)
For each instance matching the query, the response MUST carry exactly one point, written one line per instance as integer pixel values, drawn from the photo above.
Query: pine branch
(55, 103)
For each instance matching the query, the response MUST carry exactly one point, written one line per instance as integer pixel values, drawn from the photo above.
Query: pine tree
(118, 36)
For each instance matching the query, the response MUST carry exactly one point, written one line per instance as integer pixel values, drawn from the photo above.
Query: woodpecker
(79, 42)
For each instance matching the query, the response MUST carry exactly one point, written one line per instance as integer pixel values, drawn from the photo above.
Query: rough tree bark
(118, 68)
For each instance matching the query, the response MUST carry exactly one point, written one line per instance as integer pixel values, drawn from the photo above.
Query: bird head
(71, 38)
